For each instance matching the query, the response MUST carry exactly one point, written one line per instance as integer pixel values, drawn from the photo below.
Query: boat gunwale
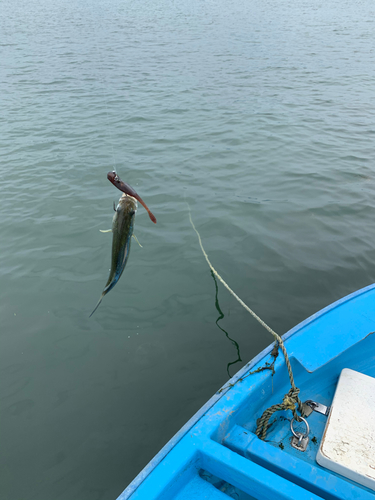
(157, 459)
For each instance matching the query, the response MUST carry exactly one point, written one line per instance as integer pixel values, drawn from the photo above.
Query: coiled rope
(290, 399)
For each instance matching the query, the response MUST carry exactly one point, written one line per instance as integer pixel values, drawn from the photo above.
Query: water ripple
(259, 116)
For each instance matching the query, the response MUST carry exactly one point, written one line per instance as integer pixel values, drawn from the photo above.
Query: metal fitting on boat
(318, 407)
(300, 441)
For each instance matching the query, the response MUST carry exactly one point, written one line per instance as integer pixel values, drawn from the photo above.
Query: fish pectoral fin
(137, 240)
(105, 230)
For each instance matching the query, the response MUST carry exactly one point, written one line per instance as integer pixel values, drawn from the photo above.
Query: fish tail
(98, 304)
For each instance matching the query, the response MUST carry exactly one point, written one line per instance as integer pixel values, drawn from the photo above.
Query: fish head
(127, 205)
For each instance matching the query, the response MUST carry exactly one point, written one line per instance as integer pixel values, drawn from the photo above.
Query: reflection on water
(221, 316)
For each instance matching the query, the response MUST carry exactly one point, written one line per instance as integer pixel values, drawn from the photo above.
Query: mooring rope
(291, 398)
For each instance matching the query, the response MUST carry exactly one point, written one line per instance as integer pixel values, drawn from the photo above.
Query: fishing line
(103, 88)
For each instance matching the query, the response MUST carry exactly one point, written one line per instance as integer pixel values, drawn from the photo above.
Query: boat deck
(217, 455)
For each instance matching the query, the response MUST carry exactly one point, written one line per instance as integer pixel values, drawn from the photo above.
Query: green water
(258, 114)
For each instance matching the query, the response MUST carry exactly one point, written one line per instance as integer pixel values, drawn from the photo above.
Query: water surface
(257, 114)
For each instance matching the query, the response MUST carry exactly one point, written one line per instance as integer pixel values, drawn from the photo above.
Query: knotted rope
(291, 399)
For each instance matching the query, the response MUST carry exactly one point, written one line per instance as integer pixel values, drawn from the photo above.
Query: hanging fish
(122, 229)
(125, 188)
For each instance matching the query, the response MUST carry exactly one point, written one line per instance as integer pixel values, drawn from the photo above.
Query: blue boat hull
(217, 455)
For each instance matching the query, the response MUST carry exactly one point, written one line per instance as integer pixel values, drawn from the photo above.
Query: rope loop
(290, 401)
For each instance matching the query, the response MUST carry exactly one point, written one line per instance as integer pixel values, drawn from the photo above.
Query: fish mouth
(128, 203)
(130, 198)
